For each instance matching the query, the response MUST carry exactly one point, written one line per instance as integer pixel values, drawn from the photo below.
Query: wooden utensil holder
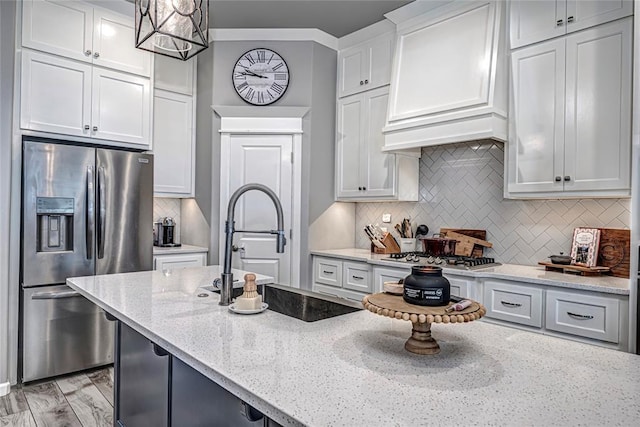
(390, 245)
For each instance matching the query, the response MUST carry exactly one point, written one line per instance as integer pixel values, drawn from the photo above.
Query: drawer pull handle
(327, 272)
(510, 304)
(580, 316)
(358, 277)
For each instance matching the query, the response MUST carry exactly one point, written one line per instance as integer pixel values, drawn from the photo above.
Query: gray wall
(312, 84)
(7, 318)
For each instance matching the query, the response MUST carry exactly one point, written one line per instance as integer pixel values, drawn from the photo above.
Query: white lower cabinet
(385, 274)
(175, 261)
(513, 303)
(345, 279)
(583, 315)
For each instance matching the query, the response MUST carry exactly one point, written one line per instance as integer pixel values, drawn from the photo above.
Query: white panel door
(263, 159)
(380, 60)
(531, 21)
(58, 26)
(421, 86)
(582, 14)
(55, 94)
(378, 169)
(350, 130)
(121, 107)
(598, 110)
(536, 137)
(354, 67)
(114, 44)
(173, 143)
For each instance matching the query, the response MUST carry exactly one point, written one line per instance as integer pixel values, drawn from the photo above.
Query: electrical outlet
(386, 217)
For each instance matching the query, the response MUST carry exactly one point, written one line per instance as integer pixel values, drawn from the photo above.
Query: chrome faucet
(229, 226)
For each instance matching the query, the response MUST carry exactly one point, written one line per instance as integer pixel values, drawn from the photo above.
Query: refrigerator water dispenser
(55, 224)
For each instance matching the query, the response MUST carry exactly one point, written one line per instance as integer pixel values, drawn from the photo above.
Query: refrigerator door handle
(102, 209)
(55, 295)
(91, 211)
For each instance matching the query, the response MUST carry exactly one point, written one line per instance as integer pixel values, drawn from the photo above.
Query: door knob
(86, 127)
(567, 178)
(570, 19)
(234, 248)
(558, 178)
(361, 82)
(87, 52)
(95, 128)
(559, 22)
(96, 55)
(366, 82)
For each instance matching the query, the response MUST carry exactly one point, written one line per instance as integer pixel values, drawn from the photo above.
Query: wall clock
(260, 76)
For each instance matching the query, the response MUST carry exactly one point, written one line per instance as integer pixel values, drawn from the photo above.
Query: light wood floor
(83, 399)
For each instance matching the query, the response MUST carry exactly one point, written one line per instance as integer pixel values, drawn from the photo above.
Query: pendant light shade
(175, 28)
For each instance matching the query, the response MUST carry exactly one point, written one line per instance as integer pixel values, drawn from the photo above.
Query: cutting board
(467, 238)
(615, 251)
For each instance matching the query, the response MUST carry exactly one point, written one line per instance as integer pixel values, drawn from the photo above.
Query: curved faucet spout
(281, 241)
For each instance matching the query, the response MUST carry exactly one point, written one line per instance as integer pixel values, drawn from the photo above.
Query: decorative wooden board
(466, 243)
(575, 269)
(615, 251)
(476, 234)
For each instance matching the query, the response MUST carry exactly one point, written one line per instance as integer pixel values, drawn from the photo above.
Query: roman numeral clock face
(260, 77)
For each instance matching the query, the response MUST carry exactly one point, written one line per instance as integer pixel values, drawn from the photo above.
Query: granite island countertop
(183, 249)
(520, 273)
(353, 369)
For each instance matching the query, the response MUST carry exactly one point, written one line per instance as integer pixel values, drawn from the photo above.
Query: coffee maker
(164, 233)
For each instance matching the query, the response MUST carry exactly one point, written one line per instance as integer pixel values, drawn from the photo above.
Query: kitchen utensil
(439, 246)
(560, 259)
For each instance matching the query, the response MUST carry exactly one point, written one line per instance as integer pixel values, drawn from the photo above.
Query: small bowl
(393, 288)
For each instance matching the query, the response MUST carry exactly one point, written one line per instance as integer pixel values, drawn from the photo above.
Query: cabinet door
(598, 110)
(531, 21)
(350, 128)
(380, 60)
(378, 169)
(582, 14)
(113, 44)
(121, 107)
(381, 275)
(353, 66)
(175, 76)
(327, 271)
(172, 262)
(536, 137)
(58, 26)
(55, 94)
(173, 146)
(513, 303)
(356, 276)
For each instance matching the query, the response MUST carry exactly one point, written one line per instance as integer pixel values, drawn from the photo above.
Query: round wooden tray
(421, 341)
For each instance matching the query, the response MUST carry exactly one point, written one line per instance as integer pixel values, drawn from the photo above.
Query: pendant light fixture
(175, 28)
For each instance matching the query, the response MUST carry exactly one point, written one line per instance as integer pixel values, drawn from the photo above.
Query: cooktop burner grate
(455, 261)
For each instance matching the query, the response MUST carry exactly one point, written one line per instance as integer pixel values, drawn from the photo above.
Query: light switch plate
(386, 217)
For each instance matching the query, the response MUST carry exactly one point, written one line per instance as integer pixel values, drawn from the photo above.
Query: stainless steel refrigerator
(85, 211)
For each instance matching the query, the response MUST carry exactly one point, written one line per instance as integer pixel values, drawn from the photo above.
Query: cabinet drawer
(513, 303)
(584, 315)
(458, 287)
(357, 277)
(327, 271)
(381, 275)
(169, 262)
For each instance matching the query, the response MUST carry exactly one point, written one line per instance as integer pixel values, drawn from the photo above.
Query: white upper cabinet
(68, 97)
(532, 21)
(449, 77)
(173, 145)
(365, 66)
(570, 132)
(80, 31)
(363, 171)
(173, 75)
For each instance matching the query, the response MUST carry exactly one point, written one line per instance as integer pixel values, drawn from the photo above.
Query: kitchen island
(353, 370)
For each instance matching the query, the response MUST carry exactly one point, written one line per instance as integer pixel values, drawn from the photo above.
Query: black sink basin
(304, 305)
(307, 306)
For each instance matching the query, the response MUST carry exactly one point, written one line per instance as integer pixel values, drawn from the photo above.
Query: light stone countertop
(520, 273)
(184, 249)
(353, 370)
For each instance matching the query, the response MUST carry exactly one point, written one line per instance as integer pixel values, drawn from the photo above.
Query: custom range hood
(449, 78)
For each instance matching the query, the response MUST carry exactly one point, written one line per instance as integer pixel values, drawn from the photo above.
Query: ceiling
(336, 17)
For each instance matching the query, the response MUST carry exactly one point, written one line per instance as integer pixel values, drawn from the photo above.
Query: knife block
(390, 245)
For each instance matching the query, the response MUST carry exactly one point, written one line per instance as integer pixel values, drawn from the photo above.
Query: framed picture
(584, 249)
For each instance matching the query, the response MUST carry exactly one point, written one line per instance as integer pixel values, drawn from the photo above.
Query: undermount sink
(304, 305)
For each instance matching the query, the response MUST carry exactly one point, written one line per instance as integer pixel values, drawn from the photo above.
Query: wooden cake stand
(421, 341)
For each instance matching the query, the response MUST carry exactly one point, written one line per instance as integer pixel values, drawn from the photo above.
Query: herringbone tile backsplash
(461, 186)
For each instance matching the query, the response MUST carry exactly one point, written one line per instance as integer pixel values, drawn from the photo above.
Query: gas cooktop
(452, 261)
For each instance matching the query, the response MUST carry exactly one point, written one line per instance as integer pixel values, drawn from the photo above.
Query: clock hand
(251, 73)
